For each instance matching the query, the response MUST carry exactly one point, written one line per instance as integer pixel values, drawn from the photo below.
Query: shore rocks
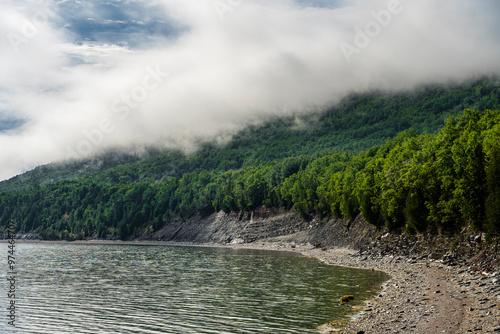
(440, 283)
(347, 298)
(423, 295)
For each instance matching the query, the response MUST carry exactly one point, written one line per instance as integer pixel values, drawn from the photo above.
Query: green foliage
(338, 165)
(492, 204)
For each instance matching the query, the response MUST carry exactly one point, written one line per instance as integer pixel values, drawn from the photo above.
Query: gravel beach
(422, 296)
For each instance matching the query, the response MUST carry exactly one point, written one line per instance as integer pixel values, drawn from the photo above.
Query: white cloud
(224, 74)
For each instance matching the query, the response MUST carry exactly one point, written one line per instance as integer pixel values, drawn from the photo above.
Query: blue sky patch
(135, 24)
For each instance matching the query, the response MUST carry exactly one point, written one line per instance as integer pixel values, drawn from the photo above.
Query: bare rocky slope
(272, 225)
(269, 224)
(440, 283)
(286, 226)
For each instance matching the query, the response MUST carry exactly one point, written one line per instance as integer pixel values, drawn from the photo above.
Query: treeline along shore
(415, 163)
(424, 162)
(439, 282)
(437, 183)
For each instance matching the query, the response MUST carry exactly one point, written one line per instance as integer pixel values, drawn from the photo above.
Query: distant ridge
(390, 157)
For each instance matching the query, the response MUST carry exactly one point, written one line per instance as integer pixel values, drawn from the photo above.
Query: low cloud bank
(228, 64)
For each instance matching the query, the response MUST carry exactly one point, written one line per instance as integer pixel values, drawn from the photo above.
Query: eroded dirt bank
(423, 296)
(440, 283)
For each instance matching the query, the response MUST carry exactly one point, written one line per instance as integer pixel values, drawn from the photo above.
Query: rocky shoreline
(423, 296)
(440, 283)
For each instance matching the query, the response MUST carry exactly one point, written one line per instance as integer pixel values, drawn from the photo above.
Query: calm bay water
(75, 288)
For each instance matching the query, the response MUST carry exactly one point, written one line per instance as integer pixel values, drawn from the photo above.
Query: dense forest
(417, 161)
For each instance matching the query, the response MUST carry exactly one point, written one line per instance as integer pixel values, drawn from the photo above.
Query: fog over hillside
(81, 77)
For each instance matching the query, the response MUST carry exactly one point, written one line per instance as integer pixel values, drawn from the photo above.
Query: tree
(493, 185)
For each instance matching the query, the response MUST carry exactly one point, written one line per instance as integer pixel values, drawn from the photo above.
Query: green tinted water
(74, 288)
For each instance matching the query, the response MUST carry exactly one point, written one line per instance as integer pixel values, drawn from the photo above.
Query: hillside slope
(358, 123)
(337, 164)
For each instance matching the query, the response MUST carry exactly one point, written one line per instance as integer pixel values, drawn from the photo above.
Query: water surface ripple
(75, 288)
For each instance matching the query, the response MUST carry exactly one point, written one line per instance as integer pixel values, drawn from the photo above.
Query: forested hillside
(358, 123)
(360, 156)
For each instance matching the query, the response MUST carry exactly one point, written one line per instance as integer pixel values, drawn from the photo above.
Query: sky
(80, 77)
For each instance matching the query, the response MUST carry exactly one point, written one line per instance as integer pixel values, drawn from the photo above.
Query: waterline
(81, 288)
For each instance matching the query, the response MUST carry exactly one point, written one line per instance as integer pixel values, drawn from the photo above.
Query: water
(75, 288)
